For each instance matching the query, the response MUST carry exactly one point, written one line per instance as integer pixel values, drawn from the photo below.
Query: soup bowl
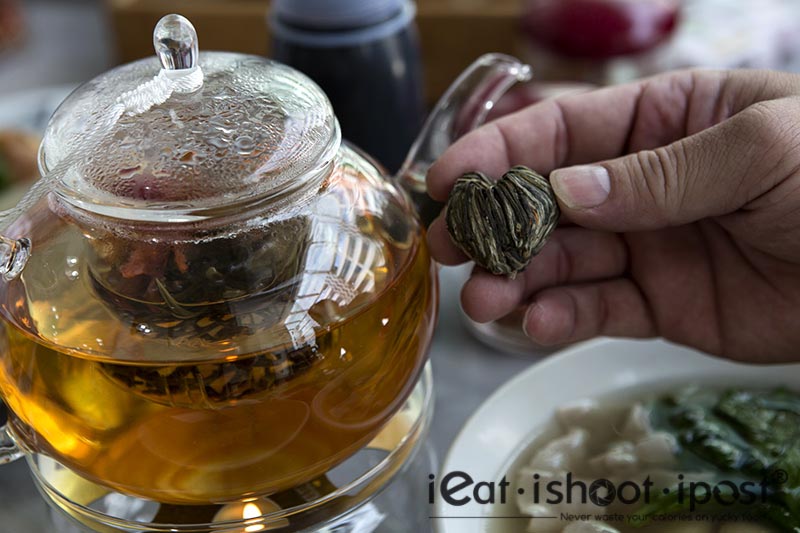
(502, 435)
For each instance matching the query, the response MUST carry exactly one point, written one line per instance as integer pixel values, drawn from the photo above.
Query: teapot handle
(463, 108)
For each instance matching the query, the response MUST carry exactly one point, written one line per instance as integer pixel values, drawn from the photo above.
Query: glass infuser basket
(209, 297)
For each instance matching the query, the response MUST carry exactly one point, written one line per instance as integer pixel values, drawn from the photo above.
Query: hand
(686, 224)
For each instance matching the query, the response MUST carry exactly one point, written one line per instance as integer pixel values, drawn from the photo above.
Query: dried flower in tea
(502, 225)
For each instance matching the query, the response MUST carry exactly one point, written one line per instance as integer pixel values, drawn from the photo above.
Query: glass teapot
(208, 295)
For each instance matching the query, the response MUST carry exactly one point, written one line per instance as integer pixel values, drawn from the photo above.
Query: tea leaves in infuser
(502, 225)
(214, 384)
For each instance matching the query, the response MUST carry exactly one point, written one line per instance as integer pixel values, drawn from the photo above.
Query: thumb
(711, 173)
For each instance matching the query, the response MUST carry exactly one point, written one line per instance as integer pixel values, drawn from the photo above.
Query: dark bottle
(365, 56)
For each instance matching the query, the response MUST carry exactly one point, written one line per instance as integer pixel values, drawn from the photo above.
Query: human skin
(680, 199)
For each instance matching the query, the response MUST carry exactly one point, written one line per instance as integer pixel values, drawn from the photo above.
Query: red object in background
(11, 22)
(600, 29)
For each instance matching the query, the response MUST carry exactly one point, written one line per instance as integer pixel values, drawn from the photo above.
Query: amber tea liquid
(215, 431)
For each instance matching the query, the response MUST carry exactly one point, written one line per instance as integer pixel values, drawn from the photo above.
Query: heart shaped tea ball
(502, 224)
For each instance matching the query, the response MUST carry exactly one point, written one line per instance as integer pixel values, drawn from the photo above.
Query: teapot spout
(463, 108)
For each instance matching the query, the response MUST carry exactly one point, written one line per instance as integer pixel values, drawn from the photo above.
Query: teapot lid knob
(175, 41)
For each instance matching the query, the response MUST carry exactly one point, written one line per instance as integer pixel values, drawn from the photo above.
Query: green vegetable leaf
(746, 435)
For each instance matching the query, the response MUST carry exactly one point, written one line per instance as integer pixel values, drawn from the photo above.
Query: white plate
(494, 441)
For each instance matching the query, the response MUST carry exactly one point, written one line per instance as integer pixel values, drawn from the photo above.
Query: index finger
(588, 127)
(567, 130)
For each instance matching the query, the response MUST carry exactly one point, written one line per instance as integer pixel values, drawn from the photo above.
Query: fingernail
(533, 313)
(581, 187)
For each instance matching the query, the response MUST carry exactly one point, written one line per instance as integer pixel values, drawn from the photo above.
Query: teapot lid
(179, 137)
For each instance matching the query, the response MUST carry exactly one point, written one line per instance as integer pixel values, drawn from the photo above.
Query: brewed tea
(187, 418)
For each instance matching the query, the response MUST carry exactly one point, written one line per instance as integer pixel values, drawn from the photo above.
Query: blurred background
(382, 62)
